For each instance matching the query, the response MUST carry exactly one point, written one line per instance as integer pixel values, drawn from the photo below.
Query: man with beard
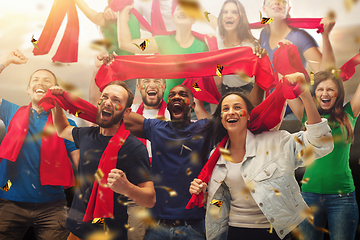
(152, 106)
(181, 148)
(34, 163)
(130, 175)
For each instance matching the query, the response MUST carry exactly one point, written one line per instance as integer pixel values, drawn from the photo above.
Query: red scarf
(348, 69)
(306, 23)
(101, 203)
(55, 169)
(193, 65)
(67, 51)
(161, 112)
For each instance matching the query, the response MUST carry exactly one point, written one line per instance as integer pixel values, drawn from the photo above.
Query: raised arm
(143, 194)
(61, 124)
(124, 36)
(15, 57)
(321, 61)
(355, 102)
(134, 123)
(94, 16)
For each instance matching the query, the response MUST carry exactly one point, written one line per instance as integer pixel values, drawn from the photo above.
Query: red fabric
(188, 66)
(161, 112)
(205, 174)
(67, 51)
(101, 203)
(208, 93)
(118, 5)
(70, 103)
(348, 69)
(55, 169)
(306, 23)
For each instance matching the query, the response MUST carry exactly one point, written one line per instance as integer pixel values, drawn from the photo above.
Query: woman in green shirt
(327, 183)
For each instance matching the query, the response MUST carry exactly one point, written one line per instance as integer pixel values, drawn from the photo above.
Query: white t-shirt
(149, 113)
(144, 7)
(232, 80)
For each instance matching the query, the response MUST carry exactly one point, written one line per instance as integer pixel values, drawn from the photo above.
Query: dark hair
(56, 82)
(130, 99)
(243, 28)
(219, 130)
(337, 114)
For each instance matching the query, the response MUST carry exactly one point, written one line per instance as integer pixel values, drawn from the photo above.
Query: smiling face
(230, 17)
(152, 91)
(111, 106)
(276, 8)
(326, 93)
(180, 102)
(234, 113)
(39, 83)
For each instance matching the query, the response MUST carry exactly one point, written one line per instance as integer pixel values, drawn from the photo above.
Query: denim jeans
(339, 210)
(162, 232)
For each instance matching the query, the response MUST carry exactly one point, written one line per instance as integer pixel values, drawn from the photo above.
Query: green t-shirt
(331, 174)
(167, 45)
(110, 33)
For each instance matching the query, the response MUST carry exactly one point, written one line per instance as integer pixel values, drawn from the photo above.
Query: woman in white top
(233, 30)
(257, 190)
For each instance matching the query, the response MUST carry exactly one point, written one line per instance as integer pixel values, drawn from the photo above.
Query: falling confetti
(349, 4)
(171, 191)
(196, 87)
(266, 20)
(188, 171)
(331, 15)
(100, 44)
(312, 80)
(98, 221)
(100, 235)
(143, 45)
(207, 16)
(186, 147)
(243, 76)
(7, 186)
(304, 181)
(225, 153)
(34, 42)
(192, 9)
(298, 140)
(219, 69)
(271, 228)
(99, 175)
(125, 203)
(78, 112)
(216, 202)
(277, 192)
(129, 228)
(162, 118)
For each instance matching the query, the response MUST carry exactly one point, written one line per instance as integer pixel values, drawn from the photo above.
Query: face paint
(143, 87)
(160, 86)
(237, 17)
(221, 115)
(284, 3)
(242, 113)
(118, 107)
(268, 4)
(100, 101)
(333, 94)
(187, 101)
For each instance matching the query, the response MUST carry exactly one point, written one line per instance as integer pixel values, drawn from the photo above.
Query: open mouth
(106, 114)
(325, 100)
(40, 90)
(229, 22)
(177, 109)
(232, 120)
(152, 93)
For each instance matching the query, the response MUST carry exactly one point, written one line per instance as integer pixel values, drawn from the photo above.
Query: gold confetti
(78, 112)
(98, 221)
(192, 9)
(99, 175)
(349, 4)
(188, 171)
(304, 181)
(261, 17)
(331, 15)
(313, 61)
(216, 202)
(100, 44)
(277, 192)
(143, 45)
(125, 203)
(196, 87)
(219, 69)
(100, 235)
(207, 16)
(162, 118)
(298, 140)
(171, 191)
(335, 72)
(243, 76)
(312, 79)
(186, 147)
(129, 228)
(225, 153)
(7, 186)
(271, 228)
(34, 42)
(297, 233)
(266, 20)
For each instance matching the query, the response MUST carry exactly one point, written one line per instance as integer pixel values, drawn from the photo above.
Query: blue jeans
(340, 211)
(193, 232)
